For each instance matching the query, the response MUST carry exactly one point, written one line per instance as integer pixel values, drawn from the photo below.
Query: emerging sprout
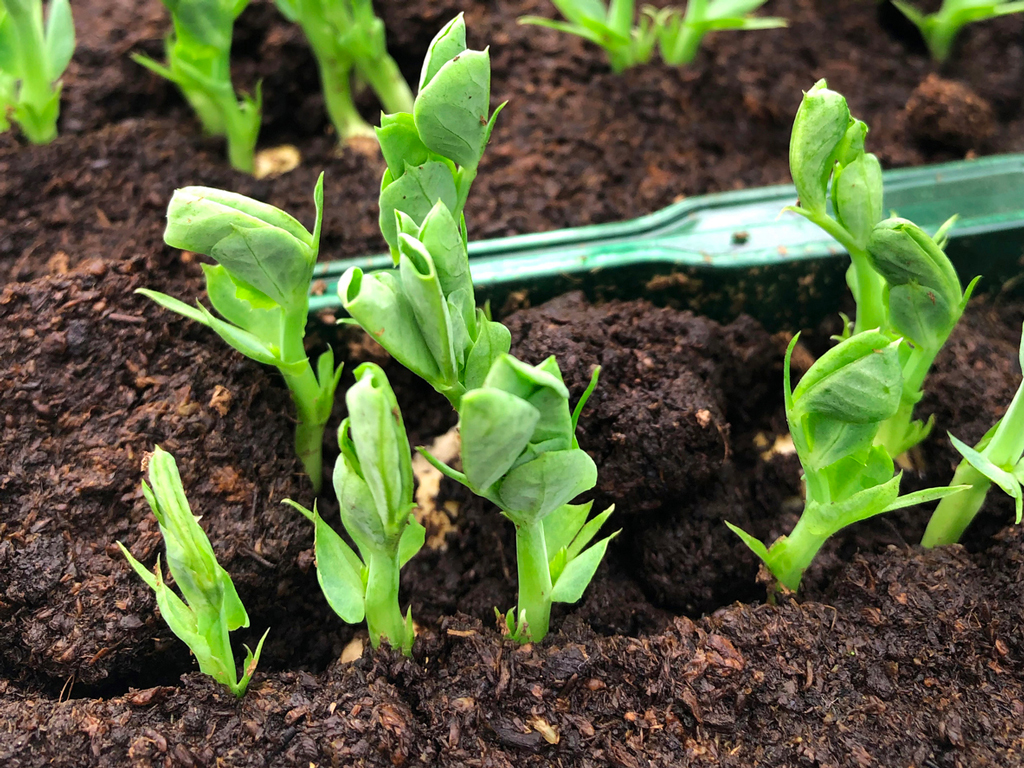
(348, 41)
(519, 451)
(834, 414)
(677, 33)
(373, 480)
(902, 281)
(995, 459)
(260, 286)
(32, 59)
(939, 29)
(199, 63)
(210, 608)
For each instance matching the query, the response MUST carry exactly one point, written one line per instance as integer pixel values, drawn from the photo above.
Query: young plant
(902, 281)
(677, 33)
(940, 29)
(834, 414)
(260, 285)
(995, 459)
(199, 63)
(210, 608)
(425, 315)
(519, 451)
(348, 41)
(374, 483)
(32, 59)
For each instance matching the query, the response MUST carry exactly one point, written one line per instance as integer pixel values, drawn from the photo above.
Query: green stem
(790, 556)
(241, 134)
(465, 179)
(305, 389)
(534, 580)
(336, 77)
(383, 614)
(954, 513)
(387, 81)
(895, 433)
(220, 664)
(36, 113)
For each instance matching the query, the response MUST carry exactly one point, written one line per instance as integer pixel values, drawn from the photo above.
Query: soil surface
(594, 146)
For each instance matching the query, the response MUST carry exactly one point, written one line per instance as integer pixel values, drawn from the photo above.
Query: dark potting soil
(576, 145)
(890, 655)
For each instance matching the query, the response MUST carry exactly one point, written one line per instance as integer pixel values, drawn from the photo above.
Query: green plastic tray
(734, 252)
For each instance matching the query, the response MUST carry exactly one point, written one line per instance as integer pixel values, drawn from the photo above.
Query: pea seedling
(211, 607)
(902, 281)
(260, 285)
(940, 29)
(676, 33)
(995, 459)
(348, 41)
(519, 451)
(32, 59)
(374, 483)
(834, 414)
(199, 63)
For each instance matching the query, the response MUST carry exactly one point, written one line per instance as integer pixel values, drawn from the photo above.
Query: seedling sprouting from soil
(374, 483)
(208, 608)
(199, 63)
(33, 56)
(834, 414)
(902, 281)
(676, 33)
(995, 459)
(519, 447)
(940, 29)
(519, 451)
(348, 41)
(260, 285)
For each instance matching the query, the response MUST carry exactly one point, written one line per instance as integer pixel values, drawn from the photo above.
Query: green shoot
(199, 63)
(519, 451)
(940, 29)
(348, 41)
(425, 315)
(32, 59)
(676, 33)
(902, 281)
(834, 414)
(260, 285)
(209, 607)
(374, 483)
(995, 459)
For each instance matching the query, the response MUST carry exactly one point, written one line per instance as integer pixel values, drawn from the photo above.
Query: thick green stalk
(893, 432)
(956, 512)
(336, 76)
(37, 120)
(387, 81)
(305, 389)
(383, 613)
(220, 665)
(534, 580)
(791, 555)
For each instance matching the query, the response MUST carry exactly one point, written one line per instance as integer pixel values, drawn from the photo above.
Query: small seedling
(677, 34)
(199, 63)
(260, 285)
(374, 483)
(901, 279)
(834, 414)
(32, 59)
(940, 29)
(211, 607)
(995, 459)
(348, 41)
(519, 451)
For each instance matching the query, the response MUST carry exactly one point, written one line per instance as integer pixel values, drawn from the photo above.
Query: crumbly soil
(890, 655)
(593, 146)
